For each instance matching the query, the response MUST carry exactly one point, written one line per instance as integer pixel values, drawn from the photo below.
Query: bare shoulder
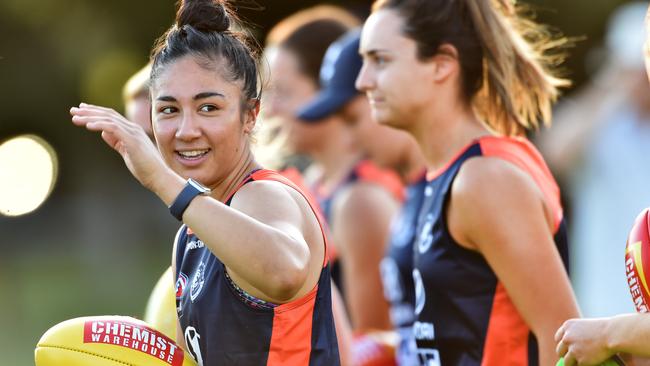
(269, 195)
(488, 194)
(363, 198)
(491, 178)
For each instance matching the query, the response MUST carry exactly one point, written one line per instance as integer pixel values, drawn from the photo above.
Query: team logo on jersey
(181, 284)
(420, 295)
(426, 235)
(197, 282)
(192, 338)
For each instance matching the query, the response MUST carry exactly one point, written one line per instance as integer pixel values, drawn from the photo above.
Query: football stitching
(86, 352)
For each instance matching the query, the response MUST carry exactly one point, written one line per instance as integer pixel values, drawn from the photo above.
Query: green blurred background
(100, 242)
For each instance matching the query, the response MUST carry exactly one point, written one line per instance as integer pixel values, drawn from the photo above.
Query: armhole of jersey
(525, 156)
(179, 243)
(266, 174)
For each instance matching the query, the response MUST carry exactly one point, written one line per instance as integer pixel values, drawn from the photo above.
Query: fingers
(561, 348)
(110, 139)
(89, 115)
(569, 360)
(560, 332)
(87, 110)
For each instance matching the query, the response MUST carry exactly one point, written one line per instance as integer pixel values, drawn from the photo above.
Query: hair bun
(203, 15)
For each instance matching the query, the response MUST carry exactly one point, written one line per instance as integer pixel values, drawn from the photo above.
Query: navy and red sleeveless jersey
(397, 271)
(463, 314)
(363, 171)
(220, 328)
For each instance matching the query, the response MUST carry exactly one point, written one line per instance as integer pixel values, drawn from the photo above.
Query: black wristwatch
(190, 191)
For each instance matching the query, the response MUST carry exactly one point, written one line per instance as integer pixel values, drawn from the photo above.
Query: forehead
(189, 75)
(282, 62)
(383, 31)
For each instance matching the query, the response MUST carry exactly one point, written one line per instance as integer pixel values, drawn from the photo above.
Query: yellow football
(161, 307)
(108, 341)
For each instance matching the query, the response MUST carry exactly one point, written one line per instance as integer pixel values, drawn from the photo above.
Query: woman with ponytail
(250, 259)
(468, 79)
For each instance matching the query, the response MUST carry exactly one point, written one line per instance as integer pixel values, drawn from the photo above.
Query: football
(161, 307)
(108, 341)
(637, 261)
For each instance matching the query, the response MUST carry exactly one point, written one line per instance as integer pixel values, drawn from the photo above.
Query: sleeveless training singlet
(397, 271)
(223, 325)
(463, 314)
(363, 171)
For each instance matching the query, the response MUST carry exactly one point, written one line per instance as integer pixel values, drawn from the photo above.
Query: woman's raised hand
(127, 138)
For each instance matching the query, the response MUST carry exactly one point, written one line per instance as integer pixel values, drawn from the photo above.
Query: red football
(637, 261)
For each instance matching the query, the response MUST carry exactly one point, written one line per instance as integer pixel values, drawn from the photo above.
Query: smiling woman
(250, 263)
(28, 171)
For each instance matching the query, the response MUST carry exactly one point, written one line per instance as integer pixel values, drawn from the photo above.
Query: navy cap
(338, 74)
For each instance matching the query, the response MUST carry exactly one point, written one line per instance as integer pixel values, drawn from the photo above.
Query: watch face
(200, 187)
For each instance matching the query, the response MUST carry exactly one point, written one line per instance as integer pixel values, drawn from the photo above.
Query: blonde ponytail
(518, 88)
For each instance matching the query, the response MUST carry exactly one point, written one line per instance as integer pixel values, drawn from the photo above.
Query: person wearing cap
(295, 48)
(390, 149)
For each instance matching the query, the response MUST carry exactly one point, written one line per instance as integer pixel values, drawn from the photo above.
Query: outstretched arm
(592, 341)
(265, 239)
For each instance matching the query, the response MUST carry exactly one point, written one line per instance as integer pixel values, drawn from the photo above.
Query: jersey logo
(420, 295)
(193, 346)
(181, 284)
(426, 236)
(197, 282)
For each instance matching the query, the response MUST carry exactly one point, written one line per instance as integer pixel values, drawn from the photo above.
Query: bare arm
(260, 239)
(497, 210)
(342, 324)
(361, 224)
(592, 341)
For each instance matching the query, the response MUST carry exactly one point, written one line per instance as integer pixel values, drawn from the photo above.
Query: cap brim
(325, 103)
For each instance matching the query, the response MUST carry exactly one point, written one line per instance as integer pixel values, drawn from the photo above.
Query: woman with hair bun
(467, 79)
(250, 260)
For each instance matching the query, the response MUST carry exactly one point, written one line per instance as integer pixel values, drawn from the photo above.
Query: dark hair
(203, 29)
(308, 33)
(505, 66)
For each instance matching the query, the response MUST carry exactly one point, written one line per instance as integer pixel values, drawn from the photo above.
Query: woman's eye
(167, 110)
(208, 108)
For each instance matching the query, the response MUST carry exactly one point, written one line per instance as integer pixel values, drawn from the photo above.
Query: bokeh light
(28, 170)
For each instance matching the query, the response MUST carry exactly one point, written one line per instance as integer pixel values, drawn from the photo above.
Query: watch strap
(188, 193)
